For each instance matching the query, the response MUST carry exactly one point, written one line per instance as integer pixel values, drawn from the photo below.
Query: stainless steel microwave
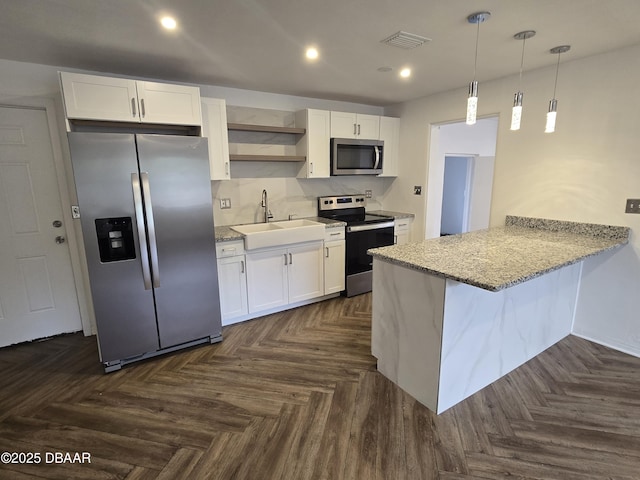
(350, 156)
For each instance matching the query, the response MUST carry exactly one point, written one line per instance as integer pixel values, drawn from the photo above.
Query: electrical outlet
(75, 211)
(368, 193)
(633, 205)
(417, 190)
(225, 203)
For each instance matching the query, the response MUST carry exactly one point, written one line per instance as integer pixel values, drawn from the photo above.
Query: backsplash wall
(286, 195)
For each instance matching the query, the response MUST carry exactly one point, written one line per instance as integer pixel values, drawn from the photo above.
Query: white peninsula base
(441, 340)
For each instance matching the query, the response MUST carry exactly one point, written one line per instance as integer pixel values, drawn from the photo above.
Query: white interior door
(37, 291)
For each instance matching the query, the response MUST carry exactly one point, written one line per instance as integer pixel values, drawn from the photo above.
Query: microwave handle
(377, 150)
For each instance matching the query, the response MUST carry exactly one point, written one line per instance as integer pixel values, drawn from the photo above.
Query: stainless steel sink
(275, 234)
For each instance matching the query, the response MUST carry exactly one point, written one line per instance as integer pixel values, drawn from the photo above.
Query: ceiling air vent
(405, 40)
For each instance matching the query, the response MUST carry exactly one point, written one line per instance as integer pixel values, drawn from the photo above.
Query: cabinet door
(305, 270)
(334, 263)
(402, 231)
(267, 279)
(343, 125)
(169, 104)
(315, 143)
(232, 280)
(390, 134)
(92, 97)
(214, 127)
(368, 127)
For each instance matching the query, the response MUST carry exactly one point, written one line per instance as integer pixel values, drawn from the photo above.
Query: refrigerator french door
(147, 222)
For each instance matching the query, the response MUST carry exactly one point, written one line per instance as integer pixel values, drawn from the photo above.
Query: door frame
(62, 167)
(435, 172)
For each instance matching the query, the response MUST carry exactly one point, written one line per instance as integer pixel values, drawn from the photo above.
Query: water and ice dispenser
(115, 239)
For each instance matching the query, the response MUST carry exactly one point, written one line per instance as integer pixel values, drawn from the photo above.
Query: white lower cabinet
(276, 277)
(402, 230)
(232, 280)
(334, 260)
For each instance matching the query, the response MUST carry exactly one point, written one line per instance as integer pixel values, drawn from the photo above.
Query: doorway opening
(460, 177)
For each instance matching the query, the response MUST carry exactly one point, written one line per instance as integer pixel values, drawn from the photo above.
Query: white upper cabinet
(169, 104)
(214, 127)
(355, 125)
(314, 145)
(93, 97)
(390, 134)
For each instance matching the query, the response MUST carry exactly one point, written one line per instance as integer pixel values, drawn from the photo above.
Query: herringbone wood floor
(296, 396)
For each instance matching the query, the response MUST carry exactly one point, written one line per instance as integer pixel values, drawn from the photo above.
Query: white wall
(583, 172)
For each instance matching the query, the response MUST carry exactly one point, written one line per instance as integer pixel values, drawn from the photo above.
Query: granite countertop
(501, 257)
(389, 213)
(226, 234)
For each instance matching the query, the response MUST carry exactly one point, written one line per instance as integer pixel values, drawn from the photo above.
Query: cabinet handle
(241, 266)
(311, 167)
(358, 129)
(142, 110)
(226, 168)
(334, 234)
(290, 259)
(285, 259)
(395, 239)
(355, 129)
(327, 249)
(133, 106)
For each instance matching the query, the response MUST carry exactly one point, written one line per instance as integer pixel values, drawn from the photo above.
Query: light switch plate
(633, 205)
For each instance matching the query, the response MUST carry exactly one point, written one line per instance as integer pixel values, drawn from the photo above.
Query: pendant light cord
(556, 82)
(521, 64)
(475, 62)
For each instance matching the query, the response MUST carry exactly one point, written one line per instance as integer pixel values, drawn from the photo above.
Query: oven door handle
(370, 226)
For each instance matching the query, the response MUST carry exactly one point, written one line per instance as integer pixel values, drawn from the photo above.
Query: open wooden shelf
(267, 158)
(264, 128)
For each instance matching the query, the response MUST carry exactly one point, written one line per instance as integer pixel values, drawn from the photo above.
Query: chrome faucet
(265, 205)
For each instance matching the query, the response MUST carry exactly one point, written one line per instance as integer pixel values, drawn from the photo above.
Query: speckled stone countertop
(226, 234)
(389, 213)
(501, 257)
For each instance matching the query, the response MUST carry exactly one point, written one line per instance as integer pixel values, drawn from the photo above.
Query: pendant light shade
(516, 113)
(550, 126)
(472, 100)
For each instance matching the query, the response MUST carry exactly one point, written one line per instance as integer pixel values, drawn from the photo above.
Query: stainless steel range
(363, 231)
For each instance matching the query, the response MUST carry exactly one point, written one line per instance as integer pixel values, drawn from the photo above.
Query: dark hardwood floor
(296, 396)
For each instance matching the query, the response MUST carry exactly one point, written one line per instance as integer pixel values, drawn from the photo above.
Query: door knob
(60, 239)
(57, 223)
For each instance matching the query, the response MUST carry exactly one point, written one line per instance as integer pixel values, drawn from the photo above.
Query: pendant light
(550, 127)
(472, 100)
(516, 113)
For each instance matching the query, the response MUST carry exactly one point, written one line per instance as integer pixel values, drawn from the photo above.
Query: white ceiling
(259, 44)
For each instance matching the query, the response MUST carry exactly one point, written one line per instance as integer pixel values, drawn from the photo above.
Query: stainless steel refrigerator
(147, 223)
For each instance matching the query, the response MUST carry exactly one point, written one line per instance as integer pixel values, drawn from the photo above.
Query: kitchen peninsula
(452, 315)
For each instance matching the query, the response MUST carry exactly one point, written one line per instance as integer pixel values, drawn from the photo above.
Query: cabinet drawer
(332, 234)
(229, 249)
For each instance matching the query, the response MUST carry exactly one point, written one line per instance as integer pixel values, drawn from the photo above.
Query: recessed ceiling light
(405, 72)
(312, 53)
(169, 23)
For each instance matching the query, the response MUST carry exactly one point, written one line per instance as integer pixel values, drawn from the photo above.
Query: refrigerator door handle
(153, 247)
(142, 236)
